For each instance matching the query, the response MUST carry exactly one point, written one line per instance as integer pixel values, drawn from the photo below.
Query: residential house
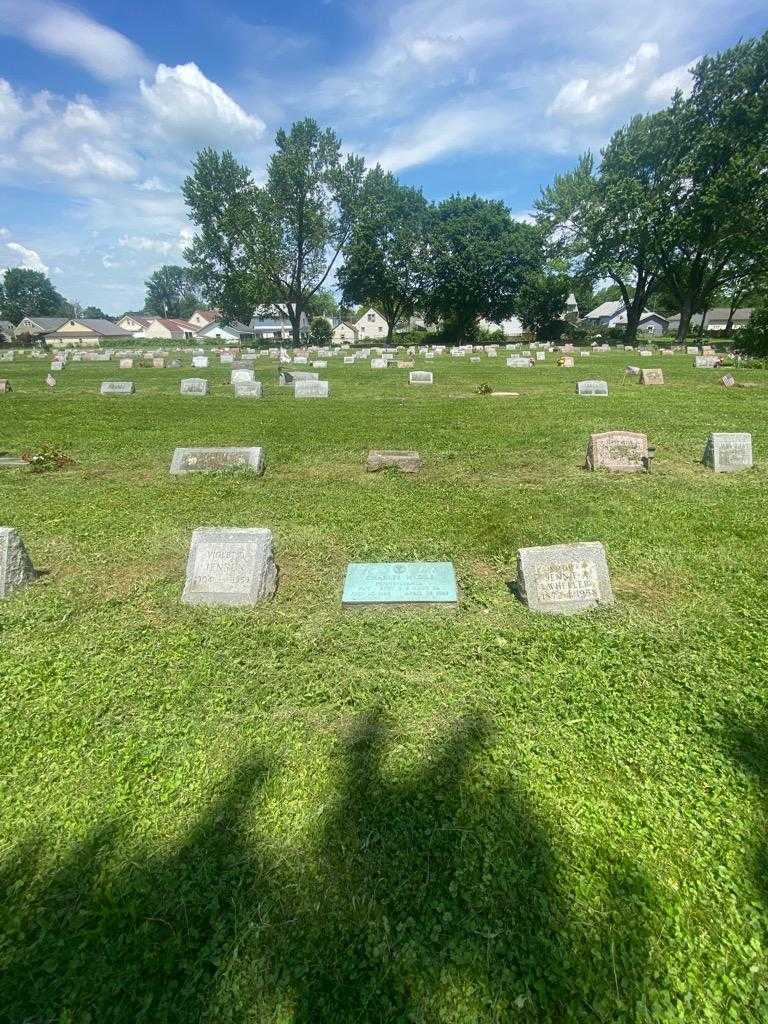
(134, 322)
(714, 320)
(83, 331)
(653, 323)
(614, 314)
(233, 333)
(371, 326)
(344, 334)
(35, 328)
(201, 318)
(164, 327)
(571, 309)
(266, 327)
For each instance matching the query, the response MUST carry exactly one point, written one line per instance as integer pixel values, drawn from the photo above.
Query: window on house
(371, 317)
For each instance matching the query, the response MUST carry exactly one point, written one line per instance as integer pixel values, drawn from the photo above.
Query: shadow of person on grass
(747, 744)
(434, 896)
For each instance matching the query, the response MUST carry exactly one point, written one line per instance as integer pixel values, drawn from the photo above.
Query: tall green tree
(540, 304)
(712, 221)
(274, 244)
(384, 257)
(171, 292)
(602, 220)
(753, 337)
(477, 260)
(320, 331)
(29, 293)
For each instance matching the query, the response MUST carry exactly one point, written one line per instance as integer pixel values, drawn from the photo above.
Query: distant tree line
(676, 208)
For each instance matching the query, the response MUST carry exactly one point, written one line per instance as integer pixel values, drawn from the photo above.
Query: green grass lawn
(291, 813)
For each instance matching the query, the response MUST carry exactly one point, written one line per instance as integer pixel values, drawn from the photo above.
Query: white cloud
(443, 132)
(24, 257)
(78, 141)
(663, 88)
(160, 246)
(588, 97)
(190, 107)
(524, 217)
(11, 111)
(65, 32)
(152, 185)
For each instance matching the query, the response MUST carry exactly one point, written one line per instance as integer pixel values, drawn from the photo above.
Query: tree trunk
(686, 311)
(700, 333)
(295, 317)
(735, 300)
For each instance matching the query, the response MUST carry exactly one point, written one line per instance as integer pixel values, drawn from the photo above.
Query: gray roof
(740, 316)
(103, 327)
(605, 309)
(45, 323)
(266, 323)
(235, 325)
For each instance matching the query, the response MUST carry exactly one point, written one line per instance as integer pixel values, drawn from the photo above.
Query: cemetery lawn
(291, 813)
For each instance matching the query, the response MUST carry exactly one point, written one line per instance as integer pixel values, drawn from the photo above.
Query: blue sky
(103, 105)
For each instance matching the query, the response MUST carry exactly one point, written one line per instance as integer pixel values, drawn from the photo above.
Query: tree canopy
(29, 293)
(478, 259)
(384, 257)
(274, 244)
(171, 292)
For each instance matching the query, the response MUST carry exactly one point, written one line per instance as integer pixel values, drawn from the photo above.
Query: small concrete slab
(311, 389)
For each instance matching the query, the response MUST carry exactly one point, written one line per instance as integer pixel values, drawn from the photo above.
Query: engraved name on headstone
(728, 380)
(230, 566)
(311, 389)
(705, 362)
(208, 460)
(399, 583)
(420, 377)
(117, 387)
(728, 453)
(519, 362)
(248, 389)
(16, 567)
(563, 578)
(193, 386)
(622, 451)
(592, 387)
(650, 377)
(200, 362)
(239, 376)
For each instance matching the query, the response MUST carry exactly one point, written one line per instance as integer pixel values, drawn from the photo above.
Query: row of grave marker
(235, 567)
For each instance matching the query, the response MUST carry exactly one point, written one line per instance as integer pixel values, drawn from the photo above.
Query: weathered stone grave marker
(622, 451)
(592, 387)
(396, 584)
(420, 377)
(16, 567)
(209, 460)
(728, 453)
(117, 387)
(311, 389)
(248, 389)
(563, 578)
(230, 566)
(241, 376)
(200, 362)
(406, 462)
(193, 386)
(651, 377)
(5, 386)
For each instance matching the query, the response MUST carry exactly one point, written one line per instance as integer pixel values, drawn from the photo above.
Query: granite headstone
(230, 566)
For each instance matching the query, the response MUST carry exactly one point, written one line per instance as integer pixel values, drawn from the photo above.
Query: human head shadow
(427, 894)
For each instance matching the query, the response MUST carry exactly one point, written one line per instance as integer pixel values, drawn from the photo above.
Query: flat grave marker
(241, 376)
(230, 566)
(406, 462)
(400, 584)
(209, 460)
(563, 579)
(200, 362)
(117, 387)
